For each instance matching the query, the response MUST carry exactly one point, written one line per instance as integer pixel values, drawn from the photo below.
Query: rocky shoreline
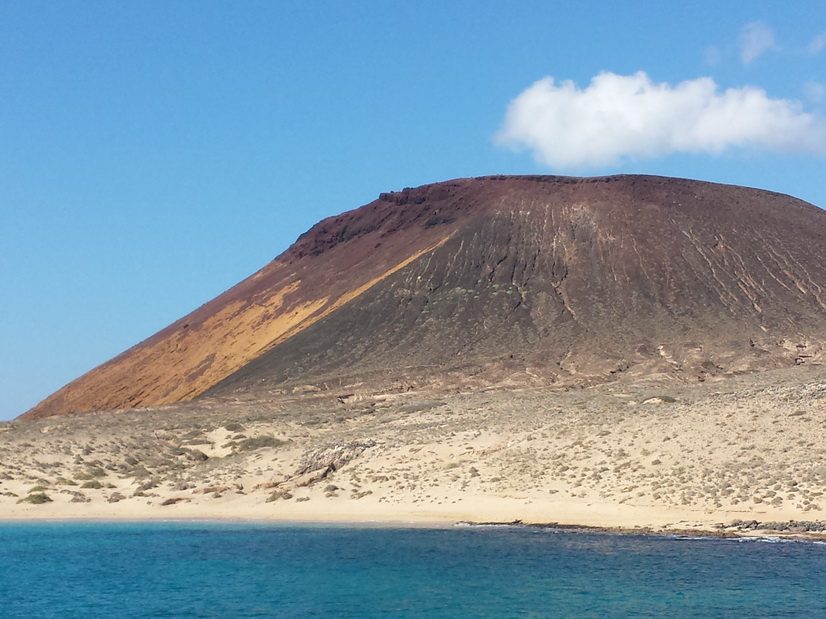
(810, 530)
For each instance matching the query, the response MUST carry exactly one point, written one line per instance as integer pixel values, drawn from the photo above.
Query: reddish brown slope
(502, 278)
(332, 264)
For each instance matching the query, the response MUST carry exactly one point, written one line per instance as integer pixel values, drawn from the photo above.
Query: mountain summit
(500, 281)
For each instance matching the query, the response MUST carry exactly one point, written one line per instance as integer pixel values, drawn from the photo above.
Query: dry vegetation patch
(746, 446)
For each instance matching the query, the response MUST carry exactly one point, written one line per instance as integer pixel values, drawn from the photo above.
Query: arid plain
(653, 454)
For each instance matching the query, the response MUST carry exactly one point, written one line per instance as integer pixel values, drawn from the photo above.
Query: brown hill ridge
(529, 280)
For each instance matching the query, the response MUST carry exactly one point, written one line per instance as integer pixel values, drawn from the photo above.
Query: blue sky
(154, 153)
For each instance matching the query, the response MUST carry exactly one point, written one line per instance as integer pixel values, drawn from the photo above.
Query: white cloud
(621, 117)
(817, 45)
(756, 39)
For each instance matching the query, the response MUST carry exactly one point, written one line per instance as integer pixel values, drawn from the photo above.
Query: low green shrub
(259, 442)
(90, 473)
(36, 498)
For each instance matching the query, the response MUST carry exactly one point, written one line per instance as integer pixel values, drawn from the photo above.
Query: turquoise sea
(196, 569)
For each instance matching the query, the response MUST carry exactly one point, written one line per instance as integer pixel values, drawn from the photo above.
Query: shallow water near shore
(208, 569)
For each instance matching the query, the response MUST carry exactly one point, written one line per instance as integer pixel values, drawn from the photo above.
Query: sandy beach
(653, 455)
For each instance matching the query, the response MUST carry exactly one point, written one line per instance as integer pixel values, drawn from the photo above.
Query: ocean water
(196, 569)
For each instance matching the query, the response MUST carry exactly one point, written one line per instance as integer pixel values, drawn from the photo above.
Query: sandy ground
(656, 455)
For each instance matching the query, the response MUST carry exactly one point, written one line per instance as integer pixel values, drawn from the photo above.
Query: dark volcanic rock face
(502, 280)
(557, 279)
